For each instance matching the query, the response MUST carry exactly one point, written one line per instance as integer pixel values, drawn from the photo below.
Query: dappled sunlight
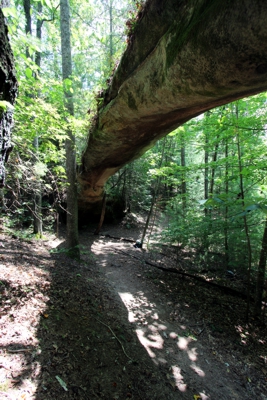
(103, 247)
(244, 334)
(163, 346)
(183, 343)
(18, 374)
(203, 396)
(179, 380)
(197, 370)
(192, 354)
(166, 327)
(22, 296)
(152, 341)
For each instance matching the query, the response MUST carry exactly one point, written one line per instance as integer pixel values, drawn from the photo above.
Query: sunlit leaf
(28, 72)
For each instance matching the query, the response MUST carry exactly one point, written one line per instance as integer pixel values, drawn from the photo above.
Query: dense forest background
(206, 181)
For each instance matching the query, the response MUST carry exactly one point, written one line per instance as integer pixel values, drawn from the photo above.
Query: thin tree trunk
(110, 33)
(154, 196)
(261, 274)
(37, 195)
(37, 216)
(242, 196)
(37, 201)
(102, 215)
(39, 24)
(183, 165)
(148, 219)
(27, 11)
(28, 25)
(154, 219)
(72, 206)
(214, 159)
(206, 173)
(226, 244)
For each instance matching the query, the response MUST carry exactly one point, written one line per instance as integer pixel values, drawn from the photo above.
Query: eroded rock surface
(183, 58)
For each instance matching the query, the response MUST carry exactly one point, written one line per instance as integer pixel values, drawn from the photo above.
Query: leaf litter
(112, 327)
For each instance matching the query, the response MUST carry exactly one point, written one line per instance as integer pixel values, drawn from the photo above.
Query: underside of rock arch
(183, 58)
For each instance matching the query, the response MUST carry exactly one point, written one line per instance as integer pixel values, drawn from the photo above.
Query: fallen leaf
(62, 383)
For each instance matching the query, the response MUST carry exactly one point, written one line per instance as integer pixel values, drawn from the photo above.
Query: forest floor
(115, 327)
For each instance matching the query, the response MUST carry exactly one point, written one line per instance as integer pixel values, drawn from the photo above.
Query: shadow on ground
(101, 329)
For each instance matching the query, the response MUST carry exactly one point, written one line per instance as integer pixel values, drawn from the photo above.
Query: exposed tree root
(225, 289)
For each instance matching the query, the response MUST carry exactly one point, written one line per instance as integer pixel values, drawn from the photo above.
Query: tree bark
(110, 33)
(72, 208)
(37, 195)
(183, 165)
(246, 228)
(28, 24)
(214, 159)
(39, 24)
(37, 218)
(206, 172)
(8, 93)
(154, 197)
(261, 274)
(226, 176)
(102, 216)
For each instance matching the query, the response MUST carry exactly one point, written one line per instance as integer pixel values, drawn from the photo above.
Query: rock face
(8, 92)
(183, 58)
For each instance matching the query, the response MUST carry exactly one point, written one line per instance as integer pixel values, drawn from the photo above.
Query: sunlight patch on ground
(183, 343)
(197, 370)
(162, 346)
(179, 380)
(192, 354)
(19, 345)
(152, 341)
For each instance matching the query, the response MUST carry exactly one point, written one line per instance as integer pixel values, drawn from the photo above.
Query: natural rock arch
(183, 58)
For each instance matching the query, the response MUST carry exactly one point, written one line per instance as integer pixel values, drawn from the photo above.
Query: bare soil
(114, 327)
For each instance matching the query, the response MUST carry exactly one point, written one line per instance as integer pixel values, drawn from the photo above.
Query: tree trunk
(242, 196)
(37, 195)
(183, 165)
(37, 216)
(214, 159)
(226, 244)
(155, 195)
(37, 201)
(102, 216)
(28, 25)
(8, 93)
(261, 274)
(206, 172)
(72, 208)
(110, 33)
(39, 24)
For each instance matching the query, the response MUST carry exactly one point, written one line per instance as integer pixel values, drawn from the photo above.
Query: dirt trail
(180, 346)
(113, 328)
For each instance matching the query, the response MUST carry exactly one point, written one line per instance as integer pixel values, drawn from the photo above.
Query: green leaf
(263, 208)
(250, 208)
(10, 12)
(28, 73)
